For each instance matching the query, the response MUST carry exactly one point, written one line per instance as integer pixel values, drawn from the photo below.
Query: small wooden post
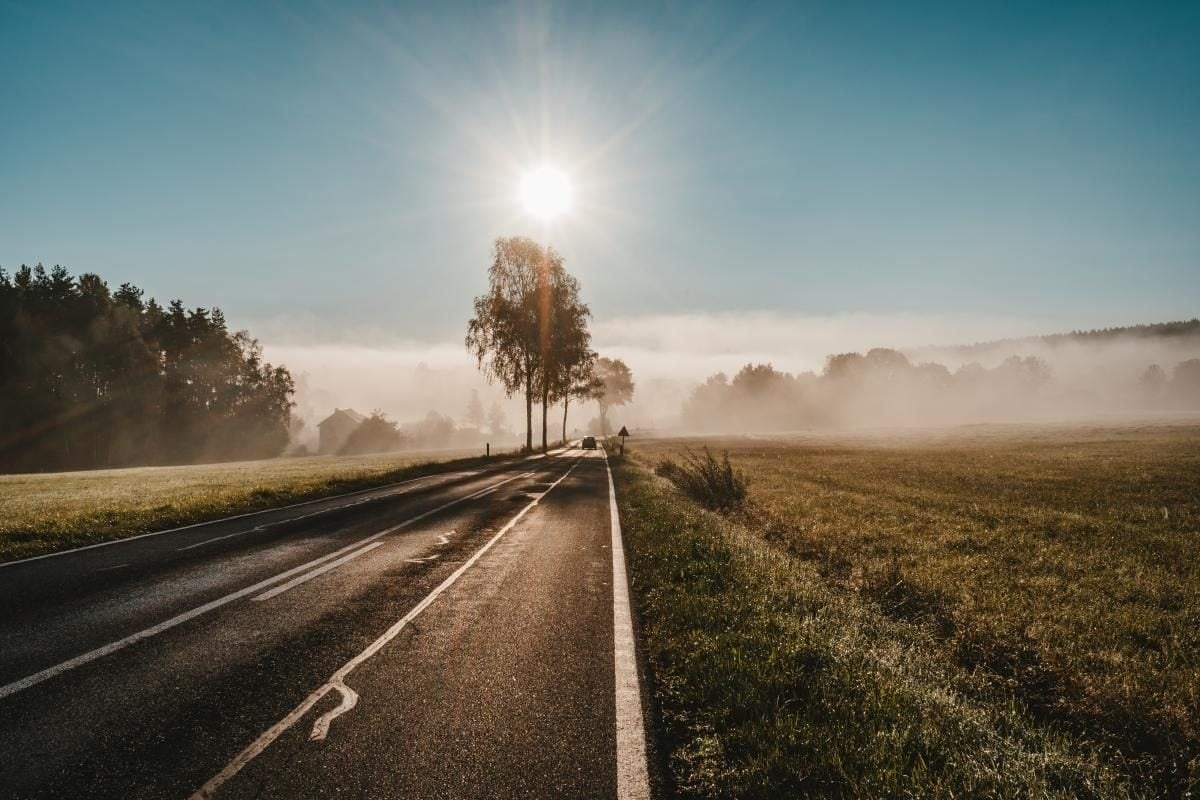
(488, 452)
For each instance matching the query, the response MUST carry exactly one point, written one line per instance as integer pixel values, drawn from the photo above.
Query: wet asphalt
(146, 668)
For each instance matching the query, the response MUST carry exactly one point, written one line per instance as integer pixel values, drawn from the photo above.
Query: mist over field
(923, 371)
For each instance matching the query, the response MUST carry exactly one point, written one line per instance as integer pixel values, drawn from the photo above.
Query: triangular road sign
(623, 431)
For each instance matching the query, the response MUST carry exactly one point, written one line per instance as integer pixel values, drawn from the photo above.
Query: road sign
(623, 432)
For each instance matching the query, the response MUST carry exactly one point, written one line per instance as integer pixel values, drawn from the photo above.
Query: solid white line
(112, 647)
(222, 519)
(633, 780)
(294, 582)
(337, 681)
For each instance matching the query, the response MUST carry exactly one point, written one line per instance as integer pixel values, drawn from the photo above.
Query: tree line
(530, 334)
(92, 378)
(883, 387)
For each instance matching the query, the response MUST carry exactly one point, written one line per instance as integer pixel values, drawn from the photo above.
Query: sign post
(623, 433)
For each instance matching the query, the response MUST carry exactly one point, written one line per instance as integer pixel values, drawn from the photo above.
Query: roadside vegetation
(44, 512)
(998, 611)
(711, 483)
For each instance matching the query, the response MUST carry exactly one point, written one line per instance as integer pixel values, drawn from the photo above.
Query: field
(43, 512)
(992, 610)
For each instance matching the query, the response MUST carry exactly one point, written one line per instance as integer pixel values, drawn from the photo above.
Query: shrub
(714, 484)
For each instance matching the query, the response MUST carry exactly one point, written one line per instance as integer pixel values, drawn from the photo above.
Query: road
(461, 635)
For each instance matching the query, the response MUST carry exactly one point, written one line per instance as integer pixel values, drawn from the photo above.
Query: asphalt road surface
(461, 635)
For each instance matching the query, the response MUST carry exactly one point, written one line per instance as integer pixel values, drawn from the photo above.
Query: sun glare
(545, 192)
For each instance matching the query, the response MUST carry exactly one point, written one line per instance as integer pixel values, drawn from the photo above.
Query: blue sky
(346, 167)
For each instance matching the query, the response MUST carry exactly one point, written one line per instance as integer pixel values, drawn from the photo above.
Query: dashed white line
(337, 682)
(112, 647)
(294, 582)
(107, 569)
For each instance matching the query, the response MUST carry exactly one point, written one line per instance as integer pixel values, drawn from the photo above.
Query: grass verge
(43, 513)
(772, 684)
(1058, 564)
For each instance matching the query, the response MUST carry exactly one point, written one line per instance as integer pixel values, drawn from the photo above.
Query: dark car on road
(589, 443)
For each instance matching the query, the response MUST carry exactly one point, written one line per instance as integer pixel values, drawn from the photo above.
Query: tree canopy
(529, 332)
(615, 386)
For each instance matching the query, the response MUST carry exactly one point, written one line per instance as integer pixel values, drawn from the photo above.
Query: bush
(714, 484)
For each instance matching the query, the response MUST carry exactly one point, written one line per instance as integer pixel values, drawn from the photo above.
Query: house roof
(348, 413)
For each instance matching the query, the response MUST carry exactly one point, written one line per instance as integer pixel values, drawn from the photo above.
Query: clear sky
(347, 166)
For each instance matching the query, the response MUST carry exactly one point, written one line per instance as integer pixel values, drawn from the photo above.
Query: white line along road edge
(337, 681)
(112, 647)
(258, 513)
(633, 779)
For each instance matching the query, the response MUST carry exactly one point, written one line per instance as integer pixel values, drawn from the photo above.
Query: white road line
(115, 566)
(222, 519)
(266, 525)
(633, 779)
(112, 647)
(294, 582)
(227, 536)
(337, 681)
(317, 513)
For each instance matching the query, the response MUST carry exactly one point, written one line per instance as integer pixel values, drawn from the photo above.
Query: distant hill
(1185, 334)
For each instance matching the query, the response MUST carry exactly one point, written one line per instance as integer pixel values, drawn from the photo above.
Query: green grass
(44, 512)
(1004, 611)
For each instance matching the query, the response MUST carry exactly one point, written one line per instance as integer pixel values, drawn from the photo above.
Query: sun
(545, 192)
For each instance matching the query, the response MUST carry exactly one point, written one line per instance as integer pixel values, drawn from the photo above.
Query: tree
(616, 386)
(568, 355)
(497, 422)
(530, 327)
(1153, 383)
(475, 416)
(504, 335)
(1185, 382)
(94, 378)
(581, 384)
(375, 434)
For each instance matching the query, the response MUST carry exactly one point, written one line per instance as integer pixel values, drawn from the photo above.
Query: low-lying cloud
(671, 355)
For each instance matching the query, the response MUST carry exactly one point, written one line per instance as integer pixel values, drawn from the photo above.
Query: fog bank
(671, 356)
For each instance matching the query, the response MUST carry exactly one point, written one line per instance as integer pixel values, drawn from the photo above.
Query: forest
(93, 378)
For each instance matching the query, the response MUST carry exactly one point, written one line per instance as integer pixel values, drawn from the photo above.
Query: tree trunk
(566, 402)
(545, 404)
(529, 412)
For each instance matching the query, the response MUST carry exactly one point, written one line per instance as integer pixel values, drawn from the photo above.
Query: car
(589, 443)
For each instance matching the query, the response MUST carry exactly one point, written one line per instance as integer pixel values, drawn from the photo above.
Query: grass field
(43, 512)
(1031, 593)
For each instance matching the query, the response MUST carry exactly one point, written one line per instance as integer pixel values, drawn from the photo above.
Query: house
(337, 427)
